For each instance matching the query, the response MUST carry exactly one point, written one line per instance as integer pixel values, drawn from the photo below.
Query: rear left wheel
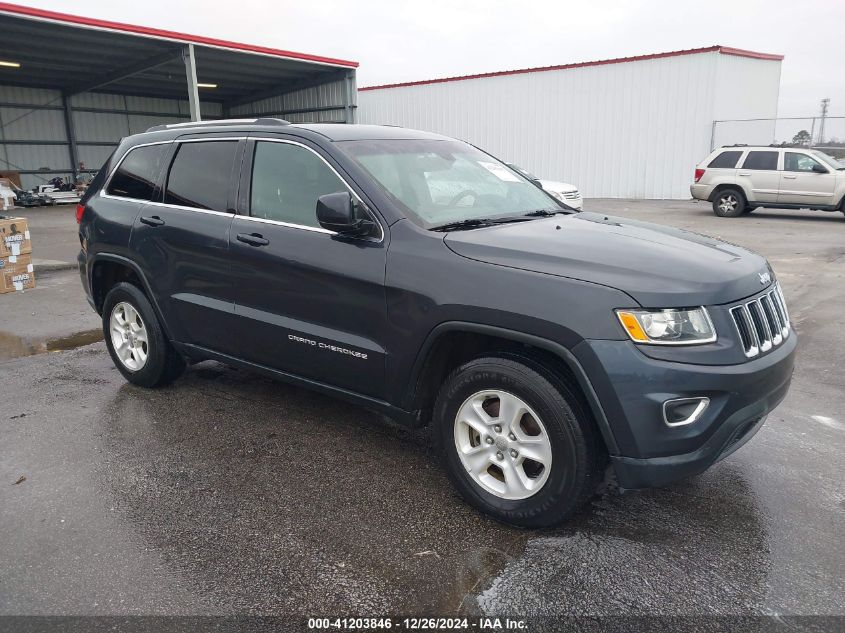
(135, 339)
(728, 203)
(516, 442)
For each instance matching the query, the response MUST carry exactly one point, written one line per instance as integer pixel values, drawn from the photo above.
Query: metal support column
(71, 137)
(349, 114)
(191, 74)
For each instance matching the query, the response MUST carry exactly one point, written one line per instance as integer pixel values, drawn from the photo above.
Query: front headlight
(668, 327)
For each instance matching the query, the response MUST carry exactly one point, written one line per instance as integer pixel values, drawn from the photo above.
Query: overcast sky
(403, 41)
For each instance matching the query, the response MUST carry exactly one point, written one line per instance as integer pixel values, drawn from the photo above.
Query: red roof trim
(727, 50)
(620, 60)
(55, 16)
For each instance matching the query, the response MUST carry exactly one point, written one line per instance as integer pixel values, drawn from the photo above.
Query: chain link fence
(823, 133)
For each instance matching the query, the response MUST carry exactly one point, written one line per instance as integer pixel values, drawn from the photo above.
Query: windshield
(830, 160)
(522, 171)
(440, 182)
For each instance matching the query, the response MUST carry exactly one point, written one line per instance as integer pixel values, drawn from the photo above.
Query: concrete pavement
(229, 493)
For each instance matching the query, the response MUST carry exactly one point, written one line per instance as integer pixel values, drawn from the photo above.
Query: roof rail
(737, 145)
(219, 123)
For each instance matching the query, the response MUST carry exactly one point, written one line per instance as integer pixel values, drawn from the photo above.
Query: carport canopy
(78, 54)
(74, 55)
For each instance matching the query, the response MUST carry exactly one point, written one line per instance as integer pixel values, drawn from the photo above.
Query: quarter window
(137, 175)
(761, 161)
(725, 160)
(798, 162)
(286, 182)
(200, 175)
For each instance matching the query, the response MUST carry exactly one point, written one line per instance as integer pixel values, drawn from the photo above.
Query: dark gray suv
(420, 277)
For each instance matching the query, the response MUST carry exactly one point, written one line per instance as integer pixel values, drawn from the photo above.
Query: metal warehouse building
(71, 87)
(623, 128)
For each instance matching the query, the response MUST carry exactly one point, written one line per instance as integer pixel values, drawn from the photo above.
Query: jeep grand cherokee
(421, 277)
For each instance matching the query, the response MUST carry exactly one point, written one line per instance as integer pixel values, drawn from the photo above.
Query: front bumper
(575, 203)
(632, 388)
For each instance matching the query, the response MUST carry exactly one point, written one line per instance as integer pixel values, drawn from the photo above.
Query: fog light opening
(683, 411)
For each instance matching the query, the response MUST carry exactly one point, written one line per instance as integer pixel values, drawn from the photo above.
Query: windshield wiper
(544, 213)
(463, 224)
(474, 223)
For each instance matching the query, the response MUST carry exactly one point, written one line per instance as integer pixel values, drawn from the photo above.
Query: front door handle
(152, 221)
(253, 239)
(790, 177)
(743, 174)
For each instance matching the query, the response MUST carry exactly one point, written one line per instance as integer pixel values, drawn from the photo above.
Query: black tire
(163, 363)
(577, 455)
(728, 203)
(749, 209)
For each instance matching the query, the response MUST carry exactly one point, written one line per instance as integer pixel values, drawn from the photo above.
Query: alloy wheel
(503, 444)
(728, 203)
(129, 336)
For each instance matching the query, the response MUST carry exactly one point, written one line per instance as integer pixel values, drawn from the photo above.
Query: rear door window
(137, 175)
(725, 160)
(200, 175)
(761, 161)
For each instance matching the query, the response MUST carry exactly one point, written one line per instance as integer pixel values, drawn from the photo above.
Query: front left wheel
(516, 441)
(136, 340)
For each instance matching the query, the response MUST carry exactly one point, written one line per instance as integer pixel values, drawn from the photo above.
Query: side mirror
(338, 212)
(819, 169)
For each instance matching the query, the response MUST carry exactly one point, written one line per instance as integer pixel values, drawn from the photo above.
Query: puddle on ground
(14, 346)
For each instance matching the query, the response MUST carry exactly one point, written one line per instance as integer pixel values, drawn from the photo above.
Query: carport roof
(80, 54)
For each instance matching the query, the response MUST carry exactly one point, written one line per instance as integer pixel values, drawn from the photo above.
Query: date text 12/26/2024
(418, 624)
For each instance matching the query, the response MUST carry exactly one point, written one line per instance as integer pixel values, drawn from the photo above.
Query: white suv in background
(566, 193)
(738, 179)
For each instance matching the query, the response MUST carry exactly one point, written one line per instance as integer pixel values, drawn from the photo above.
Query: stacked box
(16, 271)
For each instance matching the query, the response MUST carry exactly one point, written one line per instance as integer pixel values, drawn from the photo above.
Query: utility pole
(825, 106)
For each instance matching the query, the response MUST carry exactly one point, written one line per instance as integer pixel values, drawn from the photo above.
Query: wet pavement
(229, 493)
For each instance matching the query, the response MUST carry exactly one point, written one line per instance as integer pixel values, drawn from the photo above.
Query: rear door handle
(743, 174)
(253, 239)
(152, 221)
(790, 177)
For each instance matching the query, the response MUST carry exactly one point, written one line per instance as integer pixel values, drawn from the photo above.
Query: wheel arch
(100, 281)
(721, 187)
(453, 342)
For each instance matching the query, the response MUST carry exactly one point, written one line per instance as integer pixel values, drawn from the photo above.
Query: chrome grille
(762, 323)
(572, 195)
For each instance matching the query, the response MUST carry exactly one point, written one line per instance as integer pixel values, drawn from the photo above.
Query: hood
(660, 267)
(553, 185)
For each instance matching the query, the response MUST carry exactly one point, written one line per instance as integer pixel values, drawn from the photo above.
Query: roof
(80, 54)
(330, 131)
(360, 132)
(723, 50)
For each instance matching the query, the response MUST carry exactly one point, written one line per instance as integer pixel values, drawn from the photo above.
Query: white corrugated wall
(624, 130)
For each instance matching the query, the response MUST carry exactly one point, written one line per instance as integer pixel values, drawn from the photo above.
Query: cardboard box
(14, 176)
(16, 273)
(14, 238)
